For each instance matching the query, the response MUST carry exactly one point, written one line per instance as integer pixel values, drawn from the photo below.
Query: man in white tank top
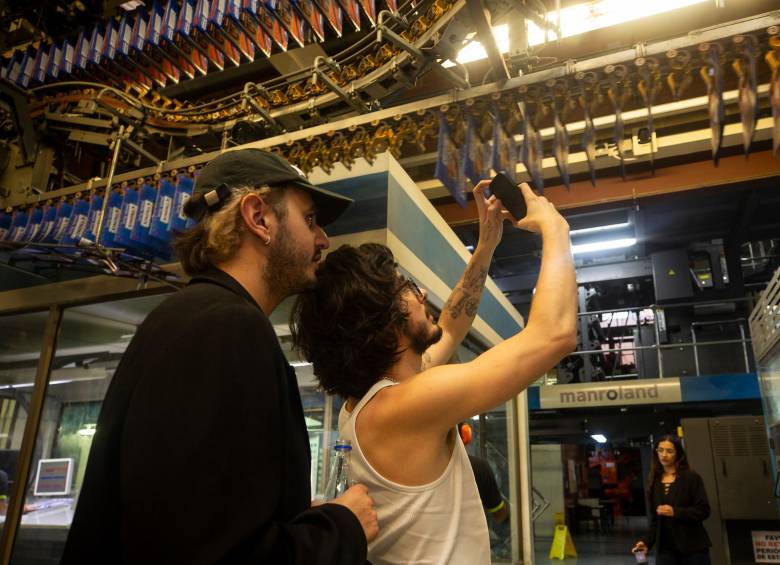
(371, 339)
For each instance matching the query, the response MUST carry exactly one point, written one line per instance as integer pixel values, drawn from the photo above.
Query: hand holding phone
(508, 192)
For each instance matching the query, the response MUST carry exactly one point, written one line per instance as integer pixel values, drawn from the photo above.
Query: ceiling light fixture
(598, 14)
(576, 20)
(598, 229)
(600, 438)
(603, 245)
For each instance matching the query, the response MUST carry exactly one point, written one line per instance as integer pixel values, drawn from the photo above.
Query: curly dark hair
(348, 326)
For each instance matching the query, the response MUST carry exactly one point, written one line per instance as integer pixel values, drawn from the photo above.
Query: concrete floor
(612, 547)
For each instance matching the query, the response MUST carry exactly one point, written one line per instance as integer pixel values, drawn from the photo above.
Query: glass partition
(91, 341)
(21, 339)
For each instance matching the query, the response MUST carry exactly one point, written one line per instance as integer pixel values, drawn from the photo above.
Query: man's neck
(407, 366)
(250, 275)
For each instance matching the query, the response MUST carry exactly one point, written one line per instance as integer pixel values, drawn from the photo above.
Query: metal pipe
(744, 347)
(702, 303)
(667, 346)
(599, 312)
(696, 350)
(658, 343)
(109, 181)
(718, 322)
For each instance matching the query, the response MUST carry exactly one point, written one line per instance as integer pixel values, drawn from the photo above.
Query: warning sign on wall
(766, 547)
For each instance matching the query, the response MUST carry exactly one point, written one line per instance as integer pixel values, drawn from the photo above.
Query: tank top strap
(345, 415)
(379, 385)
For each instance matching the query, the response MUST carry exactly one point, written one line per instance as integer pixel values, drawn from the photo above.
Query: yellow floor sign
(562, 545)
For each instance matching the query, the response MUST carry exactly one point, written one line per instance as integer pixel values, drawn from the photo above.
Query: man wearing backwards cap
(201, 453)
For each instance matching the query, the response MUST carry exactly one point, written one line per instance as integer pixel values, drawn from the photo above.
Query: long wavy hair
(349, 325)
(657, 469)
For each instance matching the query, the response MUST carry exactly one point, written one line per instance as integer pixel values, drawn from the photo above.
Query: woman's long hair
(657, 470)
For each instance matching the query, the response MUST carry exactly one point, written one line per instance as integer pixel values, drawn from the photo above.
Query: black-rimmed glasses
(414, 287)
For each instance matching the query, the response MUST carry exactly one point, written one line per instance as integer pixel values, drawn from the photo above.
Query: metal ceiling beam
(569, 68)
(677, 178)
(480, 18)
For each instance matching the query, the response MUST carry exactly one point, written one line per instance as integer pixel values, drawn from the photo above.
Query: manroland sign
(648, 391)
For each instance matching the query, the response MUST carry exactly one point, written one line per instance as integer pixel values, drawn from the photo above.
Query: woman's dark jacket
(691, 508)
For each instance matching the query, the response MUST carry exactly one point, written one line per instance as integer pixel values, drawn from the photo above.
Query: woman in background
(679, 507)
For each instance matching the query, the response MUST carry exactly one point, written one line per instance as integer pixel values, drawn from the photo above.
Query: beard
(289, 269)
(422, 335)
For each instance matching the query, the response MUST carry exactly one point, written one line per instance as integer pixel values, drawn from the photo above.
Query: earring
(267, 240)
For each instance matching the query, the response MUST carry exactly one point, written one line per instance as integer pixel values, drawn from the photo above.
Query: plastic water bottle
(339, 479)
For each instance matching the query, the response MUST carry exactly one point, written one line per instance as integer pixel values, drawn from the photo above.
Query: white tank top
(440, 523)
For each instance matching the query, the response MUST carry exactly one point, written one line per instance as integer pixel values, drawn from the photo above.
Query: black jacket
(691, 508)
(201, 453)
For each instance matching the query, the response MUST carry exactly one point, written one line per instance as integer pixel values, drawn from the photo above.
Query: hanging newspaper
(476, 153)
(448, 164)
(504, 148)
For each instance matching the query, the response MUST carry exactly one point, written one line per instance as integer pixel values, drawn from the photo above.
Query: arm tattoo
(470, 291)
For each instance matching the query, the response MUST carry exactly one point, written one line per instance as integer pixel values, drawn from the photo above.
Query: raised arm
(440, 397)
(461, 307)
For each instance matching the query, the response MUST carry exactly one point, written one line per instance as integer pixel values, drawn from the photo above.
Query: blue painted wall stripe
(368, 212)
(415, 230)
(733, 386)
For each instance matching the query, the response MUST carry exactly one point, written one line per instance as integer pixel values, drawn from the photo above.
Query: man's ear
(256, 214)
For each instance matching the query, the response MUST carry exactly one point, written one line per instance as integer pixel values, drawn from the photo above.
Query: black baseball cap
(256, 167)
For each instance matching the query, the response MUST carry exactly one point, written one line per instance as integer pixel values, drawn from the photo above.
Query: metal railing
(695, 344)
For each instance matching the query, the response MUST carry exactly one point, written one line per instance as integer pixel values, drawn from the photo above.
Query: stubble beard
(422, 335)
(288, 269)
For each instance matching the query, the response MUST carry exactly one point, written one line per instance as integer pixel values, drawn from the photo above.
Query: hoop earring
(267, 240)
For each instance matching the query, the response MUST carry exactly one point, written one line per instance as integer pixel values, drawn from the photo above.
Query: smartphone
(640, 556)
(507, 191)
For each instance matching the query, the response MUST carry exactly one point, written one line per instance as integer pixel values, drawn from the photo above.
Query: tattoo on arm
(468, 293)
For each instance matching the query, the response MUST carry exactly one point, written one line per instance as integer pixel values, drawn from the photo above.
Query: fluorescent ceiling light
(576, 20)
(300, 364)
(598, 229)
(599, 14)
(600, 438)
(603, 245)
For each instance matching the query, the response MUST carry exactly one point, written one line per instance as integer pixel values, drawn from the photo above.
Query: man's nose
(322, 241)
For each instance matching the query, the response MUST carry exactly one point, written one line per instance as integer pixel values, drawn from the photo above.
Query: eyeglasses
(662, 450)
(414, 287)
